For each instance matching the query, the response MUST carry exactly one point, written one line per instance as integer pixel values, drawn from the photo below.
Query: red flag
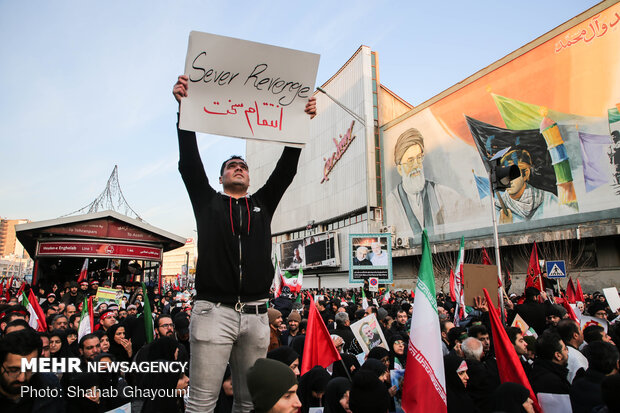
(570, 292)
(1, 288)
(8, 289)
(508, 363)
(534, 278)
(569, 309)
(319, 349)
(452, 286)
(486, 260)
(21, 289)
(579, 295)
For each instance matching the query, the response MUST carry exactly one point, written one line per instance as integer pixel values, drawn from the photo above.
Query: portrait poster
(108, 296)
(396, 377)
(368, 333)
(247, 90)
(370, 256)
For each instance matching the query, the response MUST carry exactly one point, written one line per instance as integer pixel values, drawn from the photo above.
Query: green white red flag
(424, 384)
(87, 318)
(37, 317)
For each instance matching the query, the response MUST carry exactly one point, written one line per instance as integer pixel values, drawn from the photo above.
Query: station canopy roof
(104, 226)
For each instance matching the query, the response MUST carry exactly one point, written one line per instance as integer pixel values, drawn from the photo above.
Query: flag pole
(346, 370)
(496, 241)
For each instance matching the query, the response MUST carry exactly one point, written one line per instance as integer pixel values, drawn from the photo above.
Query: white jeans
(219, 334)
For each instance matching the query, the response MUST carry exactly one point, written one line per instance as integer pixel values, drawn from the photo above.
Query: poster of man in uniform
(368, 333)
(370, 256)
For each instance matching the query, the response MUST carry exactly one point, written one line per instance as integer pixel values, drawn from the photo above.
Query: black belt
(246, 308)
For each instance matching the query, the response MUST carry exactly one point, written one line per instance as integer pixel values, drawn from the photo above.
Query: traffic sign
(556, 269)
(373, 284)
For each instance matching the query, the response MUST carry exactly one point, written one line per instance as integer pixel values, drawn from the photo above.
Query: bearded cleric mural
(557, 106)
(417, 202)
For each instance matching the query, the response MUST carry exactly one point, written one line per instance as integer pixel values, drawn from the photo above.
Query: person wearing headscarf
(381, 354)
(512, 398)
(368, 394)
(120, 347)
(311, 387)
(456, 382)
(350, 363)
(286, 355)
(398, 356)
(164, 349)
(59, 347)
(336, 398)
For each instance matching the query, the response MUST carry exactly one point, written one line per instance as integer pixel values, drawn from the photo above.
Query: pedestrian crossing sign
(556, 269)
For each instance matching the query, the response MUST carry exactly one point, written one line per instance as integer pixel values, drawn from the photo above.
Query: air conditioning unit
(402, 242)
(388, 229)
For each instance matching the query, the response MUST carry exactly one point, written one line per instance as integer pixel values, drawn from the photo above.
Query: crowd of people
(559, 358)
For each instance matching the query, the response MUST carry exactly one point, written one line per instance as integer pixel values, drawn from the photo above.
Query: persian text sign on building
(97, 249)
(247, 90)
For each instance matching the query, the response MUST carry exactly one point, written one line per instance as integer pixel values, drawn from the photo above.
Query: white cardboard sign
(247, 90)
(613, 299)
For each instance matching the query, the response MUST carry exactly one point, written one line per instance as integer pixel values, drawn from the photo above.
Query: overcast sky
(87, 85)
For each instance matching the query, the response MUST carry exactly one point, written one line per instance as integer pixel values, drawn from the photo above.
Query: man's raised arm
(190, 165)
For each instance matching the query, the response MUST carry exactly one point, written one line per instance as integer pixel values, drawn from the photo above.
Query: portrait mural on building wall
(556, 107)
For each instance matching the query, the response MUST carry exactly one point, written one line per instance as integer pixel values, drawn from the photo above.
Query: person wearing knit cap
(275, 319)
(368, 394)
(293, 320)
(273, 386)
(286, 355)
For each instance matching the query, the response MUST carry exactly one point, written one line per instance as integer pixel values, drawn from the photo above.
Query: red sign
(341, 147)
(104, 228)
(98, 249)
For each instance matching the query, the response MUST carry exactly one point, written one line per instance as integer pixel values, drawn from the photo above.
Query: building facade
(552, 105)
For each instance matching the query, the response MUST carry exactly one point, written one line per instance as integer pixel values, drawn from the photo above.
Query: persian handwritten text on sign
(247, 90)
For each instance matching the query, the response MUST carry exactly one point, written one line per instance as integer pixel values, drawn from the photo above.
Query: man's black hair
(456, 333)
(531, 293)
(566, 328)
(547, 345)
(230, 159)
(86, 337)
(513, 332)
(602, 356)
(18, 322)
(160, 317)
(22, 342)
(593, 333)
(475, 331)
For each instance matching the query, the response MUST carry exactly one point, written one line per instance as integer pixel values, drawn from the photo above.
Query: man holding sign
(234, 270)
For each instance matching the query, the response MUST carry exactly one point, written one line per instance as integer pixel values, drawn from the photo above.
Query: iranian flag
(386, 296)
(37, 317)
(364, 300)
(86, 318)
(459, 311)
(424, 385)
(84, 272)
